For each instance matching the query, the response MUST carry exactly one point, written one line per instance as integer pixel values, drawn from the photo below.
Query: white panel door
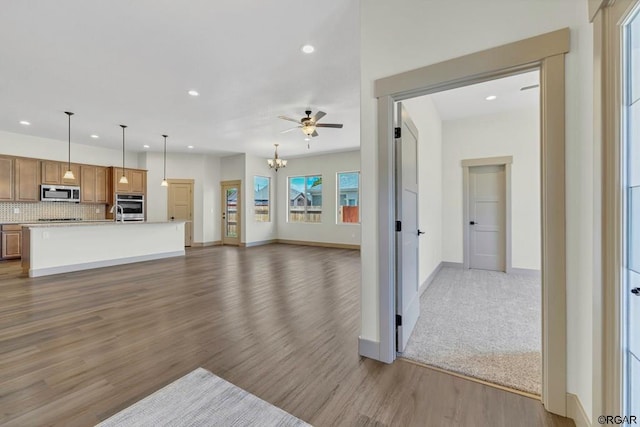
(407, 261)
(487, 218)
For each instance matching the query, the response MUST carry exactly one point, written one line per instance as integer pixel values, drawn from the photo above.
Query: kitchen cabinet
(27, 179)
(94, 184)
(11, 241)
(102, 187)
(52, 172)
(137, 181)
(6, 178)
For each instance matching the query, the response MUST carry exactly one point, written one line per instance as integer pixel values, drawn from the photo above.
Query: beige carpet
(483, 324)
(202, 399)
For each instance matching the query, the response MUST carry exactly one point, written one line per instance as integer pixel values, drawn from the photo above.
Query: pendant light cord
(164, 173)
(123, 127)
(69, 114)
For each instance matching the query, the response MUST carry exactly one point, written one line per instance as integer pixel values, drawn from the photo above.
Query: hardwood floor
(279, 321)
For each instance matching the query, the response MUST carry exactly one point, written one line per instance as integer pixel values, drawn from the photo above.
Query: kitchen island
(55, 248)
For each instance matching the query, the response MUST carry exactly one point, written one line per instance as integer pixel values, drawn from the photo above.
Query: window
(305, 198)
(261, 198)
(348, 198)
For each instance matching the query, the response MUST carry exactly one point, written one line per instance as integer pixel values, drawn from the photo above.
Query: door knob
(472, 222)
(421, 232)
(636, 291)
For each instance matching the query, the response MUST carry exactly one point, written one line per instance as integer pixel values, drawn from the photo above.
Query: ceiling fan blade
(318, 116)
(329, 125)
(314, 134)
(289, 130)
(289, 118)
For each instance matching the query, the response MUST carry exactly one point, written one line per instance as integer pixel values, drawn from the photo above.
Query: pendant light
(164, 173)
(69, 174)
(276, 163)
(123, 178)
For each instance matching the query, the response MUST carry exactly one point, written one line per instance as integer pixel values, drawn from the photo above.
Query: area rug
(202, 399)
(483, 324)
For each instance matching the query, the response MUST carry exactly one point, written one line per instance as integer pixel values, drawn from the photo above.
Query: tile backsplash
(20, 212)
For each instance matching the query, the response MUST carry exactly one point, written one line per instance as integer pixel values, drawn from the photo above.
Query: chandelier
(277, 163)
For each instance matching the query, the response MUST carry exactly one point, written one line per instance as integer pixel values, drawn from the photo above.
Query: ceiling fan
(309, 124)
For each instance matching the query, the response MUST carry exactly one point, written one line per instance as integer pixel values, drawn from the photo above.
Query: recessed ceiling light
(189, 146)
(491, 97)
(307, 48)
(94, 136)
(146, 146)
(24, 122)
(193, 92)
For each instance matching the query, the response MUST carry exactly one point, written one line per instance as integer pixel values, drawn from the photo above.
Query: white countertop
(95, 223)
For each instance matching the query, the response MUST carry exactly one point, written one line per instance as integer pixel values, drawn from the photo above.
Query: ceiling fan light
(308, 129)
(69, 175)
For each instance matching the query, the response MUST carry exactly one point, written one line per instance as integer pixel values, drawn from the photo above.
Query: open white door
(407, 233)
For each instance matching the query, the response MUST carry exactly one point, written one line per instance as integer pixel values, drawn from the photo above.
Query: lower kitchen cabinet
(11, 241)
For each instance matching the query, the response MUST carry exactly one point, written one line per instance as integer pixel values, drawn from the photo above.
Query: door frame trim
(236, 183)
(547, 53)
(607, 294)
(183, 181)
(505, 161)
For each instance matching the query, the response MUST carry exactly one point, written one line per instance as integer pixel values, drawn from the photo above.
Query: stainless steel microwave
(59, 193)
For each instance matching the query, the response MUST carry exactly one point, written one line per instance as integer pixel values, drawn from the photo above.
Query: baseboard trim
(258, 243)
(204, 244)
(576, 411)
(525, 272)
(429, 279)
(38, 272)
(451, 264)
(321, 244)
(368, 348)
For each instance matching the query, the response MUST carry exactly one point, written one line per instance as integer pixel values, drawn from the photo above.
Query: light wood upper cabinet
(50, 171)
(6, 179)
(137, 181)
(27, 180)
(53, 173)
(101, 185)
(94, 184)
(88, 188)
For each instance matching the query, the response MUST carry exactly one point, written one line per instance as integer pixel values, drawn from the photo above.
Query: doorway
(231, 220)
(545, 52)
(180, 205)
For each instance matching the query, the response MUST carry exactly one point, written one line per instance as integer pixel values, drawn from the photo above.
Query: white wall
(15, 144)
(426, 118)
(512, 133)
(205, 171)
(430, 32)
(258, 231)
(327, 165)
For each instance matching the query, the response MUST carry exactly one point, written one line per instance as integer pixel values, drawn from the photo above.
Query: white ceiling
(123, 62)
(132, 62)
(470, 101)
